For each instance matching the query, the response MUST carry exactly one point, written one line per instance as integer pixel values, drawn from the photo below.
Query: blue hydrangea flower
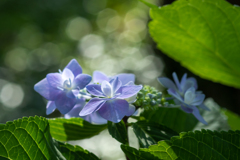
(62, 88)
(99, 77)
(185, 94)
(110, 100)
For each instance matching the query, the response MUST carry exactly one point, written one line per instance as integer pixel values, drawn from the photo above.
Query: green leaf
(73, 129)
(118, 131)
(233, 119)
(149, 133)
(173, 118)
(148, 4)
(28, 139)
(75, 152)
(134, 154)
(204, 36)
(203, 144)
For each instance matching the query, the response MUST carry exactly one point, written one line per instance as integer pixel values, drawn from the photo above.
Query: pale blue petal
(183, 80)
(198, 115)
(189, 96)
(175, 94)
(67, 75)
(175, 78)
(186, 109)
(129, 91)
(98, 77)
(95, 118)
(95, 89)
(92, 106)
(81, 81)
(116, 84)
(64, 104)
(204, 107)
(55, 80)
(114, 110)
(76, 109)
(70, 94)
(167, 83)
(194, 81)
(74, 67)
(50, 107)
(107, 89)
(125, 78)
(45, 90)
(131, 110)
(198, 99)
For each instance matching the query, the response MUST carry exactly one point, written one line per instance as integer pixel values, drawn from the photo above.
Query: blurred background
(39, 37)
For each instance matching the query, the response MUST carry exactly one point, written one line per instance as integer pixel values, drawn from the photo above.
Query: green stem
(126, 125)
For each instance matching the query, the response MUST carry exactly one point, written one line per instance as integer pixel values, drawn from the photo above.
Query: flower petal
(82, 80)
(45, 90)
(129, 91)
(116, 84)
(74, 67)
(95, 118)
(125, 78)
(198, 115)
(204, 107)
(131, 99)
(107, 89)
(189, 96)
(198, 99)
(131, 110)
(55, 80)
(50, 107)
(186, 109)
(183, 80)
(175, 78)
(67, 74)
(175, 94)
(114, 110)
(98, 77)
(64, 104)
(92, 106)
(167, 83)
(95, 90)
(76, 109)
(194, 81)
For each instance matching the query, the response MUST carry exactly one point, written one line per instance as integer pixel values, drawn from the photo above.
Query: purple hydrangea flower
(185, 94)
(111, 105)
(61, 88)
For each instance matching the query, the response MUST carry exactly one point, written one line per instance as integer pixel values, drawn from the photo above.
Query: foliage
(118, 131)
(73, 129)
(188, 32)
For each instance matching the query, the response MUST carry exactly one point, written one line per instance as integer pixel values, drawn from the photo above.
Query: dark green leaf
(75, 152)
(118, 131)
(134, 154)
(203, 144)
(203, 36)
(233, 119)
(73, 129)
(149, 133)
(173, 118)
(28, 139)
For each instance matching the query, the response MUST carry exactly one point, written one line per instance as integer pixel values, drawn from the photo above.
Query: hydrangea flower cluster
(185, 94)
(109, 98)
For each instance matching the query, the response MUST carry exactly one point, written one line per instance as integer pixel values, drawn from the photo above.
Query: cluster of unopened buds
(101, 98)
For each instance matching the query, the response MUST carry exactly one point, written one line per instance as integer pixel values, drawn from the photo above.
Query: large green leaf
(173, 118)
(134, 154)
(203, 36)
(75, 152)
(233, 119)
(28, 139)
(118, 131)
(73, 129)
(149, 133)
(200, 145)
